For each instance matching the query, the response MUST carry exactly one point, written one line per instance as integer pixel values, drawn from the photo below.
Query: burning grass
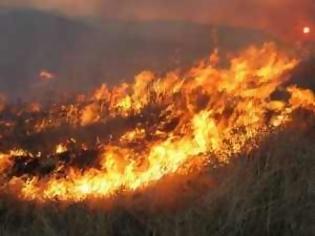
(267, 192)
(192, 153)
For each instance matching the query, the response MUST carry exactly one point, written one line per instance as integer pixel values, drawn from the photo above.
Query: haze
(281, 17)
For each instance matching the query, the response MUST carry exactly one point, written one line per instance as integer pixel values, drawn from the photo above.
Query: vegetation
(268, 192)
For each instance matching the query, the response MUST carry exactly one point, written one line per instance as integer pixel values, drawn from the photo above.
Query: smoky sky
(274, 15)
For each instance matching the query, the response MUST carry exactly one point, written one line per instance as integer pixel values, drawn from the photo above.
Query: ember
(306, 30)
(46, 75)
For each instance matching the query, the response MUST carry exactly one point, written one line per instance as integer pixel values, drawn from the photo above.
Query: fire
(306, 30)
(45, 75)
(61, 148)
(154, 128)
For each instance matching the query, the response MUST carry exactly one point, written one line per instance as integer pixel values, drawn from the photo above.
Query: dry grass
(268, 192)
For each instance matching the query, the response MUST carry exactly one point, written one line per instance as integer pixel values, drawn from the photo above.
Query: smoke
(281, 16)
(67, 7)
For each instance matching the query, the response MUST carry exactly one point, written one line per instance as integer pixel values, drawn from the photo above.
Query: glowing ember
(153, 128)
(61, 148)
(306, 30)
(46, 75)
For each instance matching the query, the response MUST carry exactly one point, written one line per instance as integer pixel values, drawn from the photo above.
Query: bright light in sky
(306, 30)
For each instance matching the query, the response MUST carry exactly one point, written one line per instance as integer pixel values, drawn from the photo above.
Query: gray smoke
(281, 16)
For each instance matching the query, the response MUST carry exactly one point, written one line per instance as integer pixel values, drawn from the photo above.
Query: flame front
(169, 125)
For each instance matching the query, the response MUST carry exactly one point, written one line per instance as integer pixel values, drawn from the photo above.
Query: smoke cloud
(67, 7)
(281, 16)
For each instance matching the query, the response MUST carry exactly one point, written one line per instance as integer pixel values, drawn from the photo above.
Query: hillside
(84, 54)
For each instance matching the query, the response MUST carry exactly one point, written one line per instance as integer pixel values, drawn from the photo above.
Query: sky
(284, 17)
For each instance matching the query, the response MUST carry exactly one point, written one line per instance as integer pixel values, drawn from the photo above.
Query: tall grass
(268, 192)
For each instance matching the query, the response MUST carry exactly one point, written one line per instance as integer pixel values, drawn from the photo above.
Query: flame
(61, 148)
(45, 75)
(306, 30)
(169, 124)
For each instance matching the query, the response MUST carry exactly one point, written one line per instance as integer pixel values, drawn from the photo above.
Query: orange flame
(184, 120)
